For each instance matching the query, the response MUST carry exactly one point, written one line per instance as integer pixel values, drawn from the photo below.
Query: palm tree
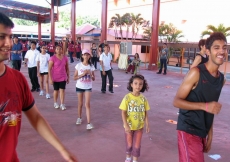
(220, 28)
(175, 36)
(118, 22)
(147, 33)
(128, 22)
(137, 21)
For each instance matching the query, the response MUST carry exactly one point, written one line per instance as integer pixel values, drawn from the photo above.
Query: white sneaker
(89, 126)
(79, 120)
(41, 93)
(62, 106)
(56, 106)
(47, 96)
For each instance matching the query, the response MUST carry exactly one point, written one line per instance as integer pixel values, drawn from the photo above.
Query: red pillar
(104, 21)
(73, 20)
(73, 23)
(39, 29)
(52, 22)
(154, 36)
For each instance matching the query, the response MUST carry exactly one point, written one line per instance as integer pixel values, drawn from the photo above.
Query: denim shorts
(79, 90)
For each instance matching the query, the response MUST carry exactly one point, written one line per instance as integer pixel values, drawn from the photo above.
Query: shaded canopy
(26, 11)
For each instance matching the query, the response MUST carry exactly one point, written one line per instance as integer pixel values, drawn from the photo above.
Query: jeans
(133, 142)
(94, 62)
(71, 57)
(16, 64)
(163, 62)
(33, 77)
(104, 80)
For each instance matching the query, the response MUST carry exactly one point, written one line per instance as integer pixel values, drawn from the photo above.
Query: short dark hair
(58, 46)
(106, 45)
(201, 43)
(138, 76)
(33, 42)
(213, 37)
(165, 44)
(6, 21)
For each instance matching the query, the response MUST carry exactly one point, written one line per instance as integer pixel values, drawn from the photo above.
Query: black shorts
(45, 73)
(79, 90)
(59, 85)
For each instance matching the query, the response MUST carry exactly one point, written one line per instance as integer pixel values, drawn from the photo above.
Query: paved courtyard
(106, 141)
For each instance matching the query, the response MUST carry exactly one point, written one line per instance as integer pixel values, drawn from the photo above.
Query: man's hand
(213, 107)
(103, 72)
(208, 145)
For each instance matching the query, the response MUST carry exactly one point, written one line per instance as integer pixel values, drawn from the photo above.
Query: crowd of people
(197, 97)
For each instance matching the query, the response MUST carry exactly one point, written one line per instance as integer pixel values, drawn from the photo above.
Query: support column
(73, 20)
(73, 24)
(52, 22)
(39, 29)
(154, 36)
(104, 21)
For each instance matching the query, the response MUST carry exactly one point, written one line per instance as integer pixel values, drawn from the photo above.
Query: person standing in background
(24, 49)
(94, 54)
(78, 49)
(201, 57)
(51, 48)
(105, 68)
(31, 63)
(16, 53)
(163, 59)
(71, 51)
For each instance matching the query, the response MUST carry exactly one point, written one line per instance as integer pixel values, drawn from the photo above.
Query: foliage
(64, 21)
(23, 22)
(127, 20)
(219, 28)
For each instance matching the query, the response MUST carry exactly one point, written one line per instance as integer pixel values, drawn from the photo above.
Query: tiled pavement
(106, 141)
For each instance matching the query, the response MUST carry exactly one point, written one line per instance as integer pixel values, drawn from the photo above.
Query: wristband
(206, 107)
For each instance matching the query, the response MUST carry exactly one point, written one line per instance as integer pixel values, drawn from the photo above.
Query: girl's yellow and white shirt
(135, 107)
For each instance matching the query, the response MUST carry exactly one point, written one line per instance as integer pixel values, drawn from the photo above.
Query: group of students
(197, 98)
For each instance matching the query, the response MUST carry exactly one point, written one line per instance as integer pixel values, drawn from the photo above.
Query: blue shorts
(79, 90)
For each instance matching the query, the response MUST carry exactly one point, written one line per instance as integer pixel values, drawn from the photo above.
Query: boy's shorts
(59, 85)
(190, 147)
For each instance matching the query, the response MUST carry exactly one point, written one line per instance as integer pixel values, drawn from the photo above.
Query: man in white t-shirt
(105, 68)
(31, 63)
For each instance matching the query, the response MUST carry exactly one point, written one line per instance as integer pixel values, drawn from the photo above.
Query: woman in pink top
(59, 75)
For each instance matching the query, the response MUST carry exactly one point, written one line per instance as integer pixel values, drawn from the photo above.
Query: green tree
(23, 22)
(219, 28)
(118, 22)
(137, 22)
(127, 22)
(65, 20)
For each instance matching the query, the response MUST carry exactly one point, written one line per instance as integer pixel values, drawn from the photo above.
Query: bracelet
(206, 107)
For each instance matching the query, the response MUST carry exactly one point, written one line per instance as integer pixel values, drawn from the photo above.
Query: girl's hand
(147, 129)
(51, 81)
(67, 80)
(127, 129)
(93, 78)
(68, 156)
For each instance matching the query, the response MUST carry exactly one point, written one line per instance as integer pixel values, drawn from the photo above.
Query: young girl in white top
(134, 108)
(84, 74)
(42, 65)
